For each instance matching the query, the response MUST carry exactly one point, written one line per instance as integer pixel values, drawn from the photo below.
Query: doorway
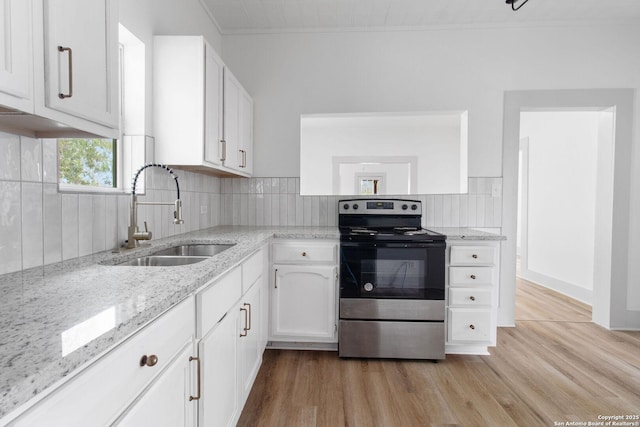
(612, 201)
(558, 172)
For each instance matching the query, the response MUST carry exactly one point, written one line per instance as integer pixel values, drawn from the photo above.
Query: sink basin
(195, 249)
(179, 255)
(163, 261)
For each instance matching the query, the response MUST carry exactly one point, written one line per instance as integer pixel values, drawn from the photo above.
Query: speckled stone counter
(41, 308)
(461, 233)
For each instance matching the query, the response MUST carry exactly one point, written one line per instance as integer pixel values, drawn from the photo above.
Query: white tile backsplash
(32, 224)
(39, 225)
(10, 226)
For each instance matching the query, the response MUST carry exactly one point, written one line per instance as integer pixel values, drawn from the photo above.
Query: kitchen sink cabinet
(231, 347)
(119, 388)
(60, 66)
(203, 116)
(16, 55)
(472, 291)
(303, 293)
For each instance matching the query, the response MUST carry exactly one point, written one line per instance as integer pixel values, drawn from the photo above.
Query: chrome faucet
(134, 234)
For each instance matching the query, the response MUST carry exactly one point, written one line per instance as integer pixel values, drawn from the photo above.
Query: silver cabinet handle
(62, 95)
(249, 326)
(197, 359)
(243, 158)
(223, 150)
(472, 298)
(246, 322)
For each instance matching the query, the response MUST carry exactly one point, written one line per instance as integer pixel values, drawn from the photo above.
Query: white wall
(443, 69)
(562, 171)
(458, 69)
(146, 18)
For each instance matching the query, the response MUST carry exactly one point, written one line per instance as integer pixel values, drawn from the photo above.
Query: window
(88, 162)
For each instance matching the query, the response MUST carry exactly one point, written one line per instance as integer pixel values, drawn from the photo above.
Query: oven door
(392, 270)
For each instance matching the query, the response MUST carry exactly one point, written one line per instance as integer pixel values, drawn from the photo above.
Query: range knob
(414, 207)
(405, 207)
(346, 206)
(368, 287)
(355, 207)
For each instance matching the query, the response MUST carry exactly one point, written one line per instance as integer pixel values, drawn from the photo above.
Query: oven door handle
(407, 245)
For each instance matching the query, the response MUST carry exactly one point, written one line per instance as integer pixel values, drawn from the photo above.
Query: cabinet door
(81, 60)
(16, 65)
(213, 106)
(219, 357)
(232, 90)
(245, 132)
(166, 402)
(303, 302)
(249, 341)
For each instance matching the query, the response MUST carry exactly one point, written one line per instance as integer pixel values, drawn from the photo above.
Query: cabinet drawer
(307, 252)
(217, 299)
(470, 297)
(471, 276)
(469, 325)
(252, 269)
(106, 387)
(473, 255)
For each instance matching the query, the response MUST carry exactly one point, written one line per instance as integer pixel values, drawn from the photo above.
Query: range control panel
(380, 207)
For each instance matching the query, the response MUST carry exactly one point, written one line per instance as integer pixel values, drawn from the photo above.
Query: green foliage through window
(87, 161)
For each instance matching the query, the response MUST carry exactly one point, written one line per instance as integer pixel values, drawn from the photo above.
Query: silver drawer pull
(472, 298)
(304, 254)
(473, 277)
(472, 327)
(474, 256)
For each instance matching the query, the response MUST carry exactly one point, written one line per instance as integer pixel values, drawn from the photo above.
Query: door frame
(609, 308)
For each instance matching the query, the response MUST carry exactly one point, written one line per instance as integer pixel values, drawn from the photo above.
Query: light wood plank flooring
(555, 366)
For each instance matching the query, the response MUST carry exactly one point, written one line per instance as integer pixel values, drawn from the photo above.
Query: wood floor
(555, 366)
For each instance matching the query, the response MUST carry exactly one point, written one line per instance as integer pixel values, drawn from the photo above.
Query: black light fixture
(513, 4)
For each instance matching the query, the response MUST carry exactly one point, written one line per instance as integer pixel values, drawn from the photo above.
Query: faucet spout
(134, 234)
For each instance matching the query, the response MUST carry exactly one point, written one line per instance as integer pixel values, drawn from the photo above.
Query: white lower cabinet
(167, 402)
(303, 292)
(231, 347)
(250, 352)
(219, 357)
(118, 388)
(472, 293)
(192, 366)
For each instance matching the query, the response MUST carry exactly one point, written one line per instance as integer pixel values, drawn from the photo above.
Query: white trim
(610, 292)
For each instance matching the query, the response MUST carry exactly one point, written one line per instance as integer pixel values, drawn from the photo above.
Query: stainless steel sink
(179, 255)
(195, 249)
(163, 261)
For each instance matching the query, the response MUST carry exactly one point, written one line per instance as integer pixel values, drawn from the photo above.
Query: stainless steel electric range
(392, 275)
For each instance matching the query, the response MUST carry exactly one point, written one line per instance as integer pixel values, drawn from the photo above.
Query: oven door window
(392, 271)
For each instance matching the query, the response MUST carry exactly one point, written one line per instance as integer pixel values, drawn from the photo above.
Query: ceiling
(254, 16)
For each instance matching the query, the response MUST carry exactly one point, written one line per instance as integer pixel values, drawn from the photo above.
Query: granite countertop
(45, 312)
(48, 315)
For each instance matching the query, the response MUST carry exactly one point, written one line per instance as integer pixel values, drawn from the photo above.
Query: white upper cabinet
(16, 55)
(202, 115)
(60, 66)
(81, 61)
(187, 102)
(238, 125)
